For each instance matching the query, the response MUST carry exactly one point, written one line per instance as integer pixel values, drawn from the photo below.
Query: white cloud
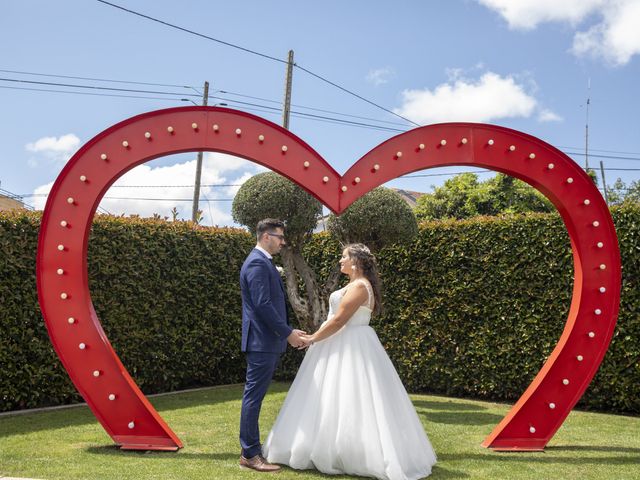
(146, 181)
(546, 115)
(380, 76)
(40, 193)
(528, 14)
(489, 98)
(221, 162)
(63, 144)
(231, 191)
(617, 38)
(614, 35)
(58, 150)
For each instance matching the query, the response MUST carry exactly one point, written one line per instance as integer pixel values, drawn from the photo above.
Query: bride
(347, 410)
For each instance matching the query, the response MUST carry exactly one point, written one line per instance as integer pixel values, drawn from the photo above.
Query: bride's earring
(353, 267)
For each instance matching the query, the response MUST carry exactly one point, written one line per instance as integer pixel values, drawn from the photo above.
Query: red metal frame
(113, 396)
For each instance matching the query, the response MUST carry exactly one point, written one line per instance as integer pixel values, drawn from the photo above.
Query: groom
(265, 333)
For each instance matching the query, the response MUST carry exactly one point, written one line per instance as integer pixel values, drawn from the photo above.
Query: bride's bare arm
(353, 298)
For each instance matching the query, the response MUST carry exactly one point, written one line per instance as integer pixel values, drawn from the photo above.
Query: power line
(245, 105)
(96, 87)
(613, 157)
(192, 32)
(312, 116)
(298, 114)
(94, 79)
(226, 92)
(338, 121)
(349, 122)
(178, 186)
(263, 109)
(421, 175)
(355, 94)
(260, 110)
(610, 188)
(254, 52)
(143, 198)
(167, 199)
(567, 148)
(95, 94)
(143, 186)
(273, 109)
(39, 74)
(493, 171)
(317, 118)
(598, 150)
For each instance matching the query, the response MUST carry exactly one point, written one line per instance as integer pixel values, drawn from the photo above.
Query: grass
(70, 444)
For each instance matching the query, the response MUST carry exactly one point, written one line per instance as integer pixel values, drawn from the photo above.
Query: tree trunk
(312, 310)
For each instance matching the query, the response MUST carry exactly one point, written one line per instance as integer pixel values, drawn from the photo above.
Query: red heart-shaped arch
(110, 392)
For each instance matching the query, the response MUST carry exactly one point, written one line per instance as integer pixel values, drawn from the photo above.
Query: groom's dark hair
(268, 225)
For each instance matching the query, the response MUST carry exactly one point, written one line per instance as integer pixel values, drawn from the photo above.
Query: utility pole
(286, 107)
(196, 190)
(586, 129)
(604, 183)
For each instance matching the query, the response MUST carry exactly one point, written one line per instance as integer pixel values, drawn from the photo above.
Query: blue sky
(524, 64)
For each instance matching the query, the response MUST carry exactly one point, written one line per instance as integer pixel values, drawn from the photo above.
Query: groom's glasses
(277, 235)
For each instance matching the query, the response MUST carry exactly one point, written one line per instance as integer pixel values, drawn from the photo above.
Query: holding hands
(300, 339)
(297, 339)
(308, 340)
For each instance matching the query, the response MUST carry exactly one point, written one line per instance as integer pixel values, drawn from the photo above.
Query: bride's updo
(364, 260)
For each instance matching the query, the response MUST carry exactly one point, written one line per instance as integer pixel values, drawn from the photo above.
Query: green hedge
(166, 293)
(474, 307)
(471, 308)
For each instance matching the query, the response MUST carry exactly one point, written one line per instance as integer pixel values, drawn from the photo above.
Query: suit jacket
(265, 324)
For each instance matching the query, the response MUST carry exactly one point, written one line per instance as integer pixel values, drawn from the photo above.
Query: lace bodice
(362, 315)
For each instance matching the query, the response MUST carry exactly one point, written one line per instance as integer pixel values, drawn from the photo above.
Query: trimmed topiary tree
(269, 195)
(379, 218)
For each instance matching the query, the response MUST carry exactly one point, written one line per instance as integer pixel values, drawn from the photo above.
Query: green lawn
(70, 444)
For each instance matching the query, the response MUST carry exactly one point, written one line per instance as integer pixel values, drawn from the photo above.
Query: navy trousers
(260, 368)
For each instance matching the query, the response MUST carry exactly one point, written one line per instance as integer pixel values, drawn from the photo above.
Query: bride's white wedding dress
(347, 410)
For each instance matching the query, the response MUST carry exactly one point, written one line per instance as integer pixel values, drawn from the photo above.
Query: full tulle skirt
(348, 412)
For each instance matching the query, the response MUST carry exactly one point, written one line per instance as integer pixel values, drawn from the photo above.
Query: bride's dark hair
(360, 254)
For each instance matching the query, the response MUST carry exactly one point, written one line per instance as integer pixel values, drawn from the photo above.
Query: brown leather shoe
(259, 464)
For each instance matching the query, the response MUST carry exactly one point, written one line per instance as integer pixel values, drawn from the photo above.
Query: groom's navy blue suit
(265, 328)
